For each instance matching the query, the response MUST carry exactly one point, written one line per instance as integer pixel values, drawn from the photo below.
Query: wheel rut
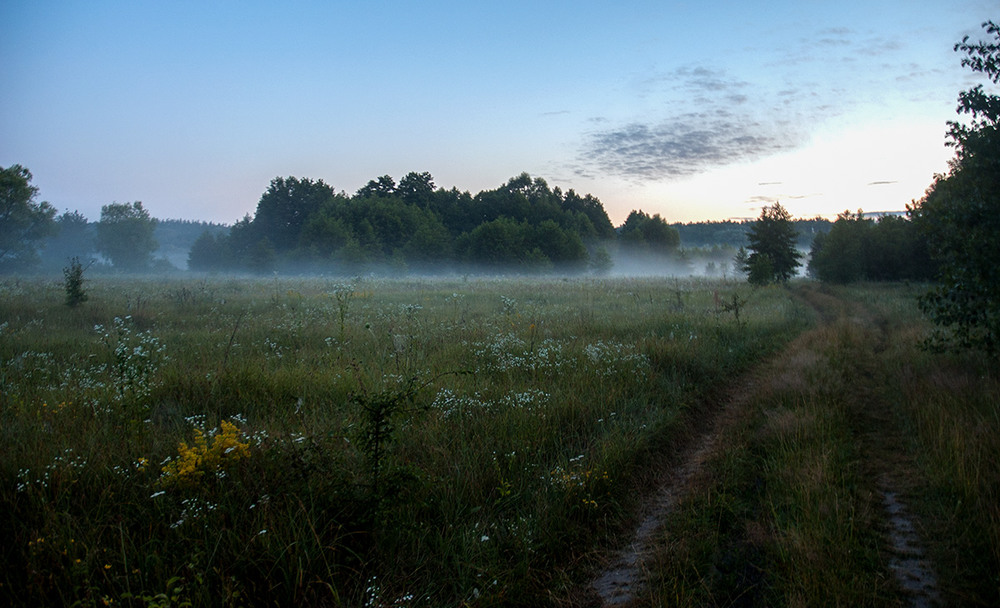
(622, 581)
(619, 584)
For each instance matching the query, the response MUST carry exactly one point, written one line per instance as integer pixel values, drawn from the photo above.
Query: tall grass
(948, 407)
(791, 509)
(249, 442)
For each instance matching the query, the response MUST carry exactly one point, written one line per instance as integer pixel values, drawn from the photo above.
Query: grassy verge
(790, 511)
(365, 443)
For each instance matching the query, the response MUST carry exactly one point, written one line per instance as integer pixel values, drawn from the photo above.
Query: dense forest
(302, 225)
(522, 226)
(733, 234)
(860, 248)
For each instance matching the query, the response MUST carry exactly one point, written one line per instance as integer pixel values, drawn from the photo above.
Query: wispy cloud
(678, 146)
(696, 118)
(721, 132)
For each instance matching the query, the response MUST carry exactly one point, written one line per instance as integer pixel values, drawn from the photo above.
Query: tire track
(623, 580)
(619, 584)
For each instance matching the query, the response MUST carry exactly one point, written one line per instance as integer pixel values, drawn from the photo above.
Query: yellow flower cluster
(53, 410)
(583, 487)
(194, 461)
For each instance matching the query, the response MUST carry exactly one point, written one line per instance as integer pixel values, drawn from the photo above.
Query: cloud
(691, 119)
(707, 80)
(882, 183)
(722, 130)
(678, 146)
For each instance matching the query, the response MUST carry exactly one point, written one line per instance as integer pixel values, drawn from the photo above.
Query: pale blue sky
(693, 110)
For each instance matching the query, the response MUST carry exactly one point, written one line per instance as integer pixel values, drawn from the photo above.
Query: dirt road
(843, 329)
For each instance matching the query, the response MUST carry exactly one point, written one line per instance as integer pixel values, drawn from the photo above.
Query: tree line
(858, 248)
(304, 225)
(523, 225)
(33, 238)
(950, 235)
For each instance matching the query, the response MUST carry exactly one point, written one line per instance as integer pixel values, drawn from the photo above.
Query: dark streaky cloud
(679, 147)
(722, 131)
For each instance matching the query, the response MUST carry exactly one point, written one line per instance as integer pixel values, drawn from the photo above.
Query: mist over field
(411, 228)
(499, 392)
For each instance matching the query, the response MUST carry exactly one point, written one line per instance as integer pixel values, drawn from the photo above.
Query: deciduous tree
(285, 207)
(960, 214)
(75, 238)
(840, 256)
(125, 236)
(209, 252)
(23, 221)
(649, 234)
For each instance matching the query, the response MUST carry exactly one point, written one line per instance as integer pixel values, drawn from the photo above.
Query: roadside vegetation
(852, 426)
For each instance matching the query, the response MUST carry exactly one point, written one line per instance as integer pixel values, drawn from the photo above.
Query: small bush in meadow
(75, 295)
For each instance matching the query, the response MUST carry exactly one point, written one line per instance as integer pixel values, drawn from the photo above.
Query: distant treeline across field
(304, 225)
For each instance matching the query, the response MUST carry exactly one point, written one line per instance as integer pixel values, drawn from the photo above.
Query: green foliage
(506, 244)
(125, 236)
(208, 252)
(707, 234)
(862, 249)
(649, 234)
(600, 261)
(176, 238)
(285, 207)
(773, 257)
(383, 413)
(523, 225)
(75, 295)
(133, 360)
(497, 475)
(172, 598)
(741, 260)
(735, 305)
(75, 238)
(760, 269)
(960, 216)
(733, 234)
(23, 221)
(792, 506)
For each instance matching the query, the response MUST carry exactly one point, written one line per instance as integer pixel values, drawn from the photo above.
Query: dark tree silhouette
(23, 222)
(125, 236)
(285, 207)
(960, 214)
(773, 257)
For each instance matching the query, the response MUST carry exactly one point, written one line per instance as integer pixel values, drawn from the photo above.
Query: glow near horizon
(696, 112)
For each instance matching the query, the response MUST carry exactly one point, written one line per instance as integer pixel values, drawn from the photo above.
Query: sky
(702, 110)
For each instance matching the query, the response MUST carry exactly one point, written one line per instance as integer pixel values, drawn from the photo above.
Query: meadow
(376, 442)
